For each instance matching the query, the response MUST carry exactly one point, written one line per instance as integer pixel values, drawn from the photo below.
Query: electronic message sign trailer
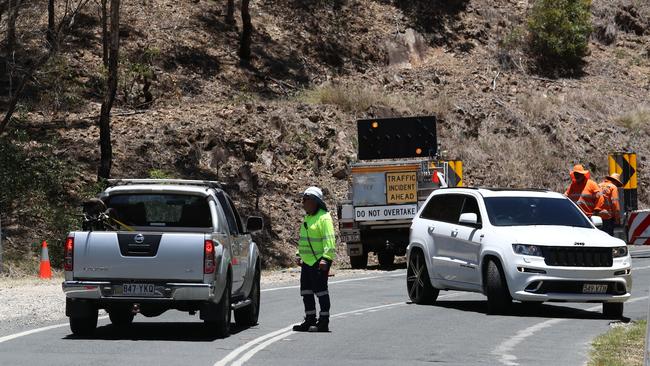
(399, 166)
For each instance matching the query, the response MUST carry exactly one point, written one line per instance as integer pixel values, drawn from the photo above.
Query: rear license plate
(136, 289)
(590, 288)
(350, 237)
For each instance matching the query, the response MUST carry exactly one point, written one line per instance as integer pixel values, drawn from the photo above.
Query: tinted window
(471, 206)
(161, 210)
(230, 216)
(445, 207)
(519, 211)
(240, 227)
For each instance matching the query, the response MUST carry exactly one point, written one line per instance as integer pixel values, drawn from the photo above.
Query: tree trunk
(246, 34)
(12, 8)
(51, 31)
(3, 5)
(104, 34)
(106, 159)
(230, 12)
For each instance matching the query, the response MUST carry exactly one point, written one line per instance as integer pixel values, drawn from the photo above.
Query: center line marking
(402, 273)
(264, 341)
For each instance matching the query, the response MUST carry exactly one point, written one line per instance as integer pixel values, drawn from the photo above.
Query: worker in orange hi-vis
(611, 212)
(585, 192)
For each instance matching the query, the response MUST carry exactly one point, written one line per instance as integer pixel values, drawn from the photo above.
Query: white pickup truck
(150, 245)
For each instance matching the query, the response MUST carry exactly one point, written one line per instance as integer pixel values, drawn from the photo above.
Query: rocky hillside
(187, 109)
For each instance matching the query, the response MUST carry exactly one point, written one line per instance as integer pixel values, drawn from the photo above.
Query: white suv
(527, 245)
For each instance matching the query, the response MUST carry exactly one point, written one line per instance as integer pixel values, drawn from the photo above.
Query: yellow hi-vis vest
(320, 231)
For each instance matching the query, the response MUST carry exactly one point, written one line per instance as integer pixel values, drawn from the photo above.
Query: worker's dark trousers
(313, 281)
(608, 226)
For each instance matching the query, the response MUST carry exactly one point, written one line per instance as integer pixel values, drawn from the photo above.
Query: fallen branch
(544, 79)
(494, 81)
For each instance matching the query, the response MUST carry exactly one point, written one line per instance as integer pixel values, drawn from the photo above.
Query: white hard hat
(314, 191)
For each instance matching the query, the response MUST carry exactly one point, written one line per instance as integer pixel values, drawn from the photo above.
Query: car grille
(577, 257)
(572, 287)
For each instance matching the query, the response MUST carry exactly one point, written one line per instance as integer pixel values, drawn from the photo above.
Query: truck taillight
(347, 225)
(208, 257)
(68, 251)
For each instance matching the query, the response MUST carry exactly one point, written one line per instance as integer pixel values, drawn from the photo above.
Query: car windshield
(521, 211)
(160, 210)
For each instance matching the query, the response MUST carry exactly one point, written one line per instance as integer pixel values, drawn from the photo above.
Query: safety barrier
(638, 227)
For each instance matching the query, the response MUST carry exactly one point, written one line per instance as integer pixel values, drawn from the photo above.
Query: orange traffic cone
(46, 270)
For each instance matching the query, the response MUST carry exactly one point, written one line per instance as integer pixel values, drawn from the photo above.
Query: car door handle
(454, 233)
(431, 229)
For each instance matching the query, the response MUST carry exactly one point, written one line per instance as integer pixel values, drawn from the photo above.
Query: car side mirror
(254, 223)
(597, 221)
(468, 218)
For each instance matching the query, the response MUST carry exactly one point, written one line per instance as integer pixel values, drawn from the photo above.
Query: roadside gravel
(29, 302)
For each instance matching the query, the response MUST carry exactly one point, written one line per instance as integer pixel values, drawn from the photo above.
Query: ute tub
(163, 291)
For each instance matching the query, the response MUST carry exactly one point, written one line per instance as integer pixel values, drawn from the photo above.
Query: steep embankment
(187, 109)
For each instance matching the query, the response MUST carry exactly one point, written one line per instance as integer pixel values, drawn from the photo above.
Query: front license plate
(136, 289)
(590, 288)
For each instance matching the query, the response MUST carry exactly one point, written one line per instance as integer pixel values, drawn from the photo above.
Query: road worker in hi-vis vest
(611, 212)
(585, 192)
(316, 251)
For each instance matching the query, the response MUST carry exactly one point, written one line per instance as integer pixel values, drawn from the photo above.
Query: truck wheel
(613, 310)
(220, 324)
(249, 315)
(499, 299)
(418, 283)
(121, 317)
(359, 262)
(386, 258)
(85, 325)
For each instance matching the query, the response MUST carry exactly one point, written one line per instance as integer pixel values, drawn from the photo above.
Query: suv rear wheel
(218, 321)
(418, 283)
(249, 315)
(496, 289)
(85, 325)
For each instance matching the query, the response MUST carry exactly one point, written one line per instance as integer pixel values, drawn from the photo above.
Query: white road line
(504, 350)
(37, 330)
(335, 282)
(638, 268)
(50, 327)
(264, 341)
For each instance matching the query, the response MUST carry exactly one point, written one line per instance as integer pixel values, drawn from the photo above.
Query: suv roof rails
(503, 189)
(515, 189)
(201, 183)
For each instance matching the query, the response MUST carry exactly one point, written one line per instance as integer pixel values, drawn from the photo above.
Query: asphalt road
(372, 323)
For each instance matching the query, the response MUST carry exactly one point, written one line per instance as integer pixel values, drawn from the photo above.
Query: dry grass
(537, 106)
(350, 98)
(620, 346)
(636, 120)
(359, 99)
(517, 162)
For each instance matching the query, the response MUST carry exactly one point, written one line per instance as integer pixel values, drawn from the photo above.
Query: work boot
(310, 321)
(322, 326)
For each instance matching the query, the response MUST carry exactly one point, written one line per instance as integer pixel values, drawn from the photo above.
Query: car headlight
(619, 252)
(526, 249)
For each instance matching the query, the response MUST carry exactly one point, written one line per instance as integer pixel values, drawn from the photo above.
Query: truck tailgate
(138, 256)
